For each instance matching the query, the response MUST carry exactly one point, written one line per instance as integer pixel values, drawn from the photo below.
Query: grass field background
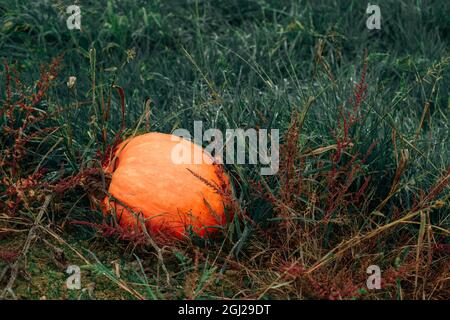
(364, 162)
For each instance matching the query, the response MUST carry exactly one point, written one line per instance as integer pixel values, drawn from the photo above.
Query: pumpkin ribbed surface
(171, 197)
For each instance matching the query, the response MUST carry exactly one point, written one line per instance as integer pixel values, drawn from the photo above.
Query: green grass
(239, 64)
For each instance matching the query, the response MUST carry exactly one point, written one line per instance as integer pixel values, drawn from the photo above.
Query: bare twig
(26, 247)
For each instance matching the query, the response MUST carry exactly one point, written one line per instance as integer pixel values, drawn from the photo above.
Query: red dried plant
(8, 256)
(25, 123)
(124, 233)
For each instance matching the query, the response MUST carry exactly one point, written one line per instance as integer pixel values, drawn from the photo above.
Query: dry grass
(361, 182)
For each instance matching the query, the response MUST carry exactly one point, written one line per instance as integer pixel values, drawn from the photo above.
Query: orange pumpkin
(171, 197)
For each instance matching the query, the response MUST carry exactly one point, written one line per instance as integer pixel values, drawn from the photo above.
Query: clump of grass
(326, 225)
